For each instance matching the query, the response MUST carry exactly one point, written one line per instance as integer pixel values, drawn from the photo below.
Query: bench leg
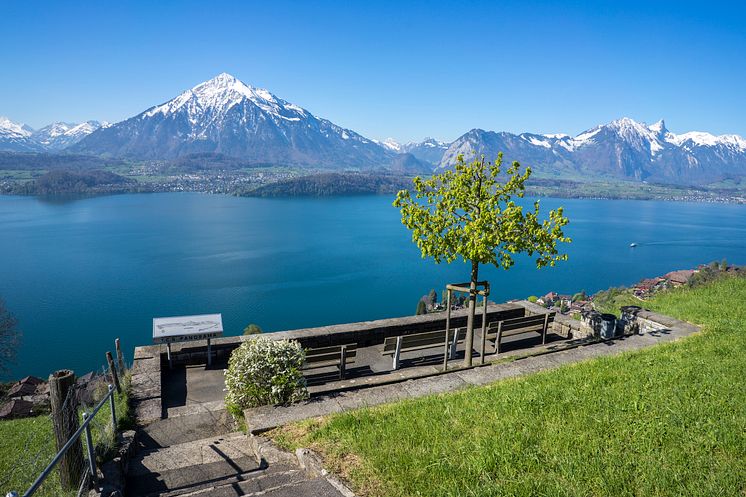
(397, 354)
(544, 332)
(454, 343)
(499, 337)
(342, 362)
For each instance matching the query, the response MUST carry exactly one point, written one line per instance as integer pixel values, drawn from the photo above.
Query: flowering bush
(263, 371)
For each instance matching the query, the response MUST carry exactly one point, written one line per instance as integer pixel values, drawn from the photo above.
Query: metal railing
(84, 428)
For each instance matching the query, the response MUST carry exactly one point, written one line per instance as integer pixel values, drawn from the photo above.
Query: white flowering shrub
(263, 371)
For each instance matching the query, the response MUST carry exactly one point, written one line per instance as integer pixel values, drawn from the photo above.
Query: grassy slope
(27, 447)
(670, 420)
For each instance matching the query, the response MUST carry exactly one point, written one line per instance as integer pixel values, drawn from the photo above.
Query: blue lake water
(79, 273)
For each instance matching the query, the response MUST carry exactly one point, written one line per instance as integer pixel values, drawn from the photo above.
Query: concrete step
(316, 487)
(182, 480)
(270, 480)
(212, 450)
(177, 430)
(191, 465)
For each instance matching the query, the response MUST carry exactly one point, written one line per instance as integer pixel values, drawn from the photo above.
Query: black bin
(608, 326)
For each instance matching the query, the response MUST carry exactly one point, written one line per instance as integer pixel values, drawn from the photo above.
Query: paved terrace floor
(198, 388)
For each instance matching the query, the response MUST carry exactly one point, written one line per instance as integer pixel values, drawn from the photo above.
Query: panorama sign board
(187, 328)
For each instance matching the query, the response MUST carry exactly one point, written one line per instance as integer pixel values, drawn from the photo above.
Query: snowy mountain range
(54, 137)
(226, 117)
(623, 149)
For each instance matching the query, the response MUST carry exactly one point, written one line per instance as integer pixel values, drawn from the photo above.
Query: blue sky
(405, 70)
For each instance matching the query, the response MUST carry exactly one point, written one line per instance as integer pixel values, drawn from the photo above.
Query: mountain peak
(223, 78)
(223, 115)
(11, 127)
(659, 128)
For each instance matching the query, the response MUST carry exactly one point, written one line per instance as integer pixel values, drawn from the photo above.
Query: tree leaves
(469, 213)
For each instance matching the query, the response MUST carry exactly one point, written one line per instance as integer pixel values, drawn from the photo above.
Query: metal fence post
(91, 451)
(113, 409)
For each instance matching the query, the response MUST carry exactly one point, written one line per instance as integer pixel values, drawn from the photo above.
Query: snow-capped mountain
(428, 150)
(622, 148)
(16, 137)
(60, 135)
(226, 116)
(390, 144)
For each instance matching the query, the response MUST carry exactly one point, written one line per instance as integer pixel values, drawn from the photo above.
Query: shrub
(421, 308)
(263, 371)
(532, 298)
(252, 329)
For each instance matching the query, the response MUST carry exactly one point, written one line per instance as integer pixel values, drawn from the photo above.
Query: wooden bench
(538, 323)
(418, 341)
(336, 355)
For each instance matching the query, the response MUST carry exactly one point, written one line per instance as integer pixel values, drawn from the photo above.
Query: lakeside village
(30, 395)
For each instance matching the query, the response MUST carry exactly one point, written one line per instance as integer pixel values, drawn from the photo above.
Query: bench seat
(394, 346)
(336, 355)
(538, 323)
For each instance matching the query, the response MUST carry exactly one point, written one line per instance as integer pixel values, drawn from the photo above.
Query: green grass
(27, 446)
(669, 420)
(609, 301)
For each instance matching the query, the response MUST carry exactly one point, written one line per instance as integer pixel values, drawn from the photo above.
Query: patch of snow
(391, 144)
(535, 141)
(701, 138)
(587, 135)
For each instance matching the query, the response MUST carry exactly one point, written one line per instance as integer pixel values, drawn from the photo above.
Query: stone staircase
(197, 455)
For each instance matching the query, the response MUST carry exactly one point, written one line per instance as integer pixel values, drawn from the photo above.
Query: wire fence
(91, 410)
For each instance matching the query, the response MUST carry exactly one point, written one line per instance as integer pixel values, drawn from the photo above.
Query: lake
(78, 273)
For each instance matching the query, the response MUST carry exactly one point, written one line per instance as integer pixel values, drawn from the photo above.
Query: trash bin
(627, 324)
(591, 321)
(608, 326)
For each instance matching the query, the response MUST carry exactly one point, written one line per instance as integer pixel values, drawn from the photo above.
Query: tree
(9, 337)
(581, 295)
(421, 308)
(532, 298)
(432, 297)
(468, 213)
(252, 329)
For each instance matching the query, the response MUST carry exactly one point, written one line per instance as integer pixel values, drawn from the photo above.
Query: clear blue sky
(387, 68)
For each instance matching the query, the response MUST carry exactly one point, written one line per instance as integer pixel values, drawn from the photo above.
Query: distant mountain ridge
(16, 137)
(231, 121)
(622, 149)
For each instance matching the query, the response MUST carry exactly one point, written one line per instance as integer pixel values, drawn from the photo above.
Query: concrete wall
(365, 333)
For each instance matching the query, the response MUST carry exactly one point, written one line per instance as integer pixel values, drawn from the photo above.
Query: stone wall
(365, 333)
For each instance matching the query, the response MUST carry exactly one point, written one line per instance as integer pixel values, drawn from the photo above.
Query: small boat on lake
(632, 245)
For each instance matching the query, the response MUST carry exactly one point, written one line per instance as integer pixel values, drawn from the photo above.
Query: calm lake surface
(79, 273)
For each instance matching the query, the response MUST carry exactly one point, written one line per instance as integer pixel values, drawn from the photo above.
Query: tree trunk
(469, 346)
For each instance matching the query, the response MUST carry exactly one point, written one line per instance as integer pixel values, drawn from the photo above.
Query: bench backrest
(421, 340)
(330, 355)
(520, 325)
